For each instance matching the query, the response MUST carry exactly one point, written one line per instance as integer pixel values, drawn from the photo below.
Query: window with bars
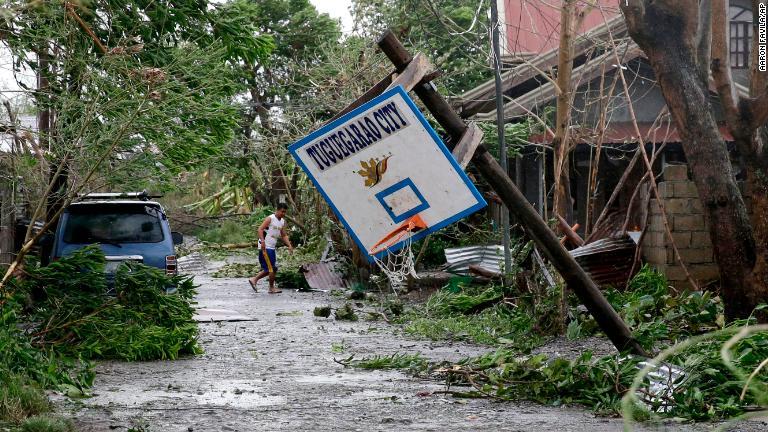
(740, 36)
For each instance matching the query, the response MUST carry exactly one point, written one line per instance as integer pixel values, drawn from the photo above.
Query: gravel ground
(277, 373)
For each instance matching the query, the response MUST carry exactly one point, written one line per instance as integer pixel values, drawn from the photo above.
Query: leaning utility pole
(500, 128)
(576, 278)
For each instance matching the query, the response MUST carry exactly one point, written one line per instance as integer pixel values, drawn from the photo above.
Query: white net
(398, 266)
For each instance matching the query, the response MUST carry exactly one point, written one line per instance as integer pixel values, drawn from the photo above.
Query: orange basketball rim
(411, 225)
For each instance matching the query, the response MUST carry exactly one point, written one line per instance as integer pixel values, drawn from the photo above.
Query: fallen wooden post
(570, 232)
(466, 147)
(484, 272)
(578, 280)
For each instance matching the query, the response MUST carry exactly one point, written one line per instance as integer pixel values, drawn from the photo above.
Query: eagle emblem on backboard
(373, 170)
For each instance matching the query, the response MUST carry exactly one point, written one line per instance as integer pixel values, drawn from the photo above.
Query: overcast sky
(337, 9)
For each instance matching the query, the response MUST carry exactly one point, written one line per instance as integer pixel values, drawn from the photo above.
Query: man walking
(270, 230)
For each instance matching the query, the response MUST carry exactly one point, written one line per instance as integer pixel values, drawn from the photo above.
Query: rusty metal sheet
(609, 261)
(324, 276)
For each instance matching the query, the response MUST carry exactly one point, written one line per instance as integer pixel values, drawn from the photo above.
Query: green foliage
(463, 303)
(141, 322)
(229, 231)
(494, 326)
(157, 102)
(414, 362)
(26, 369)
(515, 136)
(655, 314)
(76, 322)
(345, 313)
(322, 311)
(490, 315)
(597, 383)
(20, 398)
(724, 373)
(47, 424)
(452, 33)
(234, 26)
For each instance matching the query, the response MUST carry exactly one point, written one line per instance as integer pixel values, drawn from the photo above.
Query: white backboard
(383, 163)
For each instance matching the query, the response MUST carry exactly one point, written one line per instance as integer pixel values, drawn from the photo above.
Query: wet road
(277, 373)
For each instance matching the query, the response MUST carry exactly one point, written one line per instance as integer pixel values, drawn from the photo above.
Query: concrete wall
(689, 230)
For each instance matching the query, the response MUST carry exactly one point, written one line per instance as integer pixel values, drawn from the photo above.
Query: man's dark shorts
(268, 260)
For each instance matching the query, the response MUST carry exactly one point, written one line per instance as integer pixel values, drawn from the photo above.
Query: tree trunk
(46, 139)
(667, 33)
(7, 224)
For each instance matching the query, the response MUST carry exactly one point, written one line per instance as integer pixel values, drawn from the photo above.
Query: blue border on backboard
(402, 184)
(293, 148)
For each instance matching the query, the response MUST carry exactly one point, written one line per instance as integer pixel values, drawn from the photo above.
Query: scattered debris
(356, 295)
(480, 271)
(486, 257)
(322, 311)
(345, 313)
(289, 314)
(664, 380)
(324, 276)
(193, 263)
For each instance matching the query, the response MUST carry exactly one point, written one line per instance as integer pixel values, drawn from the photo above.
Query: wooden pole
(578, 280)
(500, 129)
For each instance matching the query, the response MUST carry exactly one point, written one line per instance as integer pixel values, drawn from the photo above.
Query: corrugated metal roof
(609, 261)
(489, 257)
(324, 276)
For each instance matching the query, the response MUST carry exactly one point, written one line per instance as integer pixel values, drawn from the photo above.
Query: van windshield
(113, 224)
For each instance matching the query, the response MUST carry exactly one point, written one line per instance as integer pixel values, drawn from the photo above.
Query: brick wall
(689, 230)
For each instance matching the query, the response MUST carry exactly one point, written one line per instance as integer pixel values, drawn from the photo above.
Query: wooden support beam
(570, 233)
(416, 70)
(578, 280)
(465, 149)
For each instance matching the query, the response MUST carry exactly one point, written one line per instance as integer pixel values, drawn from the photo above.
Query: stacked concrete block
(690, 231)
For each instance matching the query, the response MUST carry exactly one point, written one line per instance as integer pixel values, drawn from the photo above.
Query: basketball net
(398, 266)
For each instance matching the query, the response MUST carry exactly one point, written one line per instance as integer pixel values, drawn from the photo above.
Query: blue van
(126, 226)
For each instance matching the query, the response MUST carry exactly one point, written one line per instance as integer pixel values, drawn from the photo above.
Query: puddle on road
(241, 400)
(344, 378)
(229, 393)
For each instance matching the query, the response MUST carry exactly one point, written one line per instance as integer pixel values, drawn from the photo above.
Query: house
(602, 131)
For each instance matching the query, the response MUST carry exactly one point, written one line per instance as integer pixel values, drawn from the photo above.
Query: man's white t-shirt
(273, 232)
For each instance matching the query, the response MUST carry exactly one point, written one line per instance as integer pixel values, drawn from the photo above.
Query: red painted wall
(533, 26)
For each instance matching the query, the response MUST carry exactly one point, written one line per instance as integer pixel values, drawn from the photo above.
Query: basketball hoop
(387, 175)
(398, 266)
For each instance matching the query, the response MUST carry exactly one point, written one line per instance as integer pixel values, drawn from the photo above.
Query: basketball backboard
(382, 166)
